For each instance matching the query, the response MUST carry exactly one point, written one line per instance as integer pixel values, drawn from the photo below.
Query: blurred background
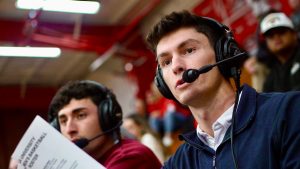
(107, 47)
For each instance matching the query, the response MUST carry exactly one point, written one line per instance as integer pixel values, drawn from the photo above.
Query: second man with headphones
(237, 127)
(88, 114)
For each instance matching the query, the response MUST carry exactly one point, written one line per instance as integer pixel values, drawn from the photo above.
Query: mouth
(74, 139)
(179, 83)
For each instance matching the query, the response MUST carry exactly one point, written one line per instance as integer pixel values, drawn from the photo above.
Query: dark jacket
(266, 136)
(284, 77)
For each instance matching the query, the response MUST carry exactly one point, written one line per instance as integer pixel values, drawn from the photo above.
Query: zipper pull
(214, 161)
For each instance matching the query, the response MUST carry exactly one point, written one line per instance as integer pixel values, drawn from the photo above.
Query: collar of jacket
(243, 117)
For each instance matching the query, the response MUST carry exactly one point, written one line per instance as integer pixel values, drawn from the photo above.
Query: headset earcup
(105, 115)
(162, 86)
(116, 112)
(226, 47)
(110, 113)
(54, 123)
(219, 49)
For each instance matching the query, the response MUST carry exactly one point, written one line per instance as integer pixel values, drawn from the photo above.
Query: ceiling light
(48, 52)
(72, 6)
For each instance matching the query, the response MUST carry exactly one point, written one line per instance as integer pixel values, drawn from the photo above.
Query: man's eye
(167, 62)
(62, 121)
(164, 62)
(189, 50)
(81, 116)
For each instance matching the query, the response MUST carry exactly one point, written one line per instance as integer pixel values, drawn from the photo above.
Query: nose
(71, 128)
(178, 65)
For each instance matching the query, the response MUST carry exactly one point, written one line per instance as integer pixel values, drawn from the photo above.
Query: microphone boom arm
(191, 75)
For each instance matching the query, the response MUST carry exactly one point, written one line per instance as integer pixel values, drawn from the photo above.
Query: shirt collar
(219, 127)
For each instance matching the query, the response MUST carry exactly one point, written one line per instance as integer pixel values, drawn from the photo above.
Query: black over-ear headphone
(109, 110)
(225, 47)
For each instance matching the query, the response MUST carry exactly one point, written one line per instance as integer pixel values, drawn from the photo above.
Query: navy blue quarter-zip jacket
(266, 136)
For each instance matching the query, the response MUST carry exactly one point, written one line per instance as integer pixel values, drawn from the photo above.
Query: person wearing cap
(284, 48)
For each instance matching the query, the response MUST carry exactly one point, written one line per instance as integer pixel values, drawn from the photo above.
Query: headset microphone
(83, 142)
(191, 75)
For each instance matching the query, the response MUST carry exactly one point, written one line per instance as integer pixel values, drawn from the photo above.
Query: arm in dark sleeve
(289, 132)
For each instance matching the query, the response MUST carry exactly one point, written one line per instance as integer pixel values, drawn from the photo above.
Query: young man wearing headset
(88, 114)
(237, 128)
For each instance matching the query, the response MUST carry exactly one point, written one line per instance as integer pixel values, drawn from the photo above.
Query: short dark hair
(75, 90)
(183, 19)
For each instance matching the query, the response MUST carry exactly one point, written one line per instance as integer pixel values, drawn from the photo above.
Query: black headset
(109, 110)
(225, 47)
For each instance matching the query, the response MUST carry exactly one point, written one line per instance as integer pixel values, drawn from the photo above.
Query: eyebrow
(179, 46)
(77, 110)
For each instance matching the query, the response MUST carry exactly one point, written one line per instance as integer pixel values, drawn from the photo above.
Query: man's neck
(208, 114)
(101, 148)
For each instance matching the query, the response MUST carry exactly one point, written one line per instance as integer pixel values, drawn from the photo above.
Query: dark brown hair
(183, 19)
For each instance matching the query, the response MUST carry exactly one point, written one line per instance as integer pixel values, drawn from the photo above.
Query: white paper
(43, 147)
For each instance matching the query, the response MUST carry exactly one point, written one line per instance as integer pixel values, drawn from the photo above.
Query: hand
(13, 164)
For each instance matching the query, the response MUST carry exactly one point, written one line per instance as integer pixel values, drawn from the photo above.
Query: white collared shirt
(219, 128)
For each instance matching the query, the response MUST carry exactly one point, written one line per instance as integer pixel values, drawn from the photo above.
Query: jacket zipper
(214, 162)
